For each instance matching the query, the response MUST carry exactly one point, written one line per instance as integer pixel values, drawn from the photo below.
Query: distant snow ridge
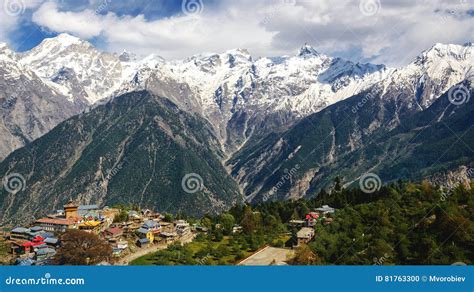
(240, 96)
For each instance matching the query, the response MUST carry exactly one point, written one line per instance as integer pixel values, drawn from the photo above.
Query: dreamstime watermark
(369, 7)
(192, 7)
(14, 7)
(275, 9)
(361, 103)
(379, 261)
(459, 95)
(103, 6)
(469, 73)
(289, 174)
(192, 183)
(14, 183)
(204, 260)
(110, 174)
(45, 280)
(370, 182)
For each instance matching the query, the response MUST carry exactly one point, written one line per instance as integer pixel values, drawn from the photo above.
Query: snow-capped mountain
(432, 72)
(381, 129)
(75, 67)
(241, 96)
(29, 108)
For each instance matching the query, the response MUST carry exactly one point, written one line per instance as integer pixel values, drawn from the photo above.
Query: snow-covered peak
(6, 54)
(307, 51)
(66, 39)
(431, 74)
(442, 51)
(127, 56)
(75, 67)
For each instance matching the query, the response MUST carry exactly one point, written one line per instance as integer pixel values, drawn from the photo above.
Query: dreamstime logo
(459, 95)
(14, 7)
(192, 183)
(14, 183)
(370, 182)
(192, 7)
(289, 174)
(369, 7)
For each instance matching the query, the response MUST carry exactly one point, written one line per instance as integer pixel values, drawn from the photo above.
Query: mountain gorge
(116, 128)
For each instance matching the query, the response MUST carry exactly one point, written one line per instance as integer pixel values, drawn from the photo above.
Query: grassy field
(202, 251)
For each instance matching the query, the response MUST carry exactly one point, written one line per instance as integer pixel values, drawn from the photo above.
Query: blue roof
(143, 240)
(151, 224)
(45, 251)
(46, 234)
(51, 240)
(21, 230)
(143, 230)
(88, 207)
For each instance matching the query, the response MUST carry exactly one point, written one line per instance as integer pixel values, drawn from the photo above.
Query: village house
(52, 241)
(237, 229)
(297, 223)
(324, 210)
(304, 235)
(182, 228)
(122, 244)
(20, 233)
(113, 233)
(311, 219)
(134, 215)
(57, 224)
(169, 237)
(44, 254)
(152, 226)
(143, 242)
(88, 211)
(93, 226)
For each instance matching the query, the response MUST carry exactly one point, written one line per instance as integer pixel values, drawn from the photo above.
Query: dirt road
(153, 248)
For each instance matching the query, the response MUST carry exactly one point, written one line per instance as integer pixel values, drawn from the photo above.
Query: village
(141, 233)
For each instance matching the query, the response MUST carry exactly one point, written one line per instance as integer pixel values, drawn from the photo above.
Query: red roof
(56, 221)
(115, 230)
(38, 238)
(31, 243)
(312, 215)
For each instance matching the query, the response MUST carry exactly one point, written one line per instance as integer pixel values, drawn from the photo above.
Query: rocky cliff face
(29, 108)
(453, 178)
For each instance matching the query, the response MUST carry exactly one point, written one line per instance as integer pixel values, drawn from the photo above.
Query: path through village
(143, 251)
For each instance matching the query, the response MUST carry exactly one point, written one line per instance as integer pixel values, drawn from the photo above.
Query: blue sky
(379, 31)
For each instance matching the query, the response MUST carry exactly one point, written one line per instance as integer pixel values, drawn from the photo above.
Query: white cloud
(395, 33)
(11, 12)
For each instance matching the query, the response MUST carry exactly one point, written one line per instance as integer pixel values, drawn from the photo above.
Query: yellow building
(150, 236)
(90, 226)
